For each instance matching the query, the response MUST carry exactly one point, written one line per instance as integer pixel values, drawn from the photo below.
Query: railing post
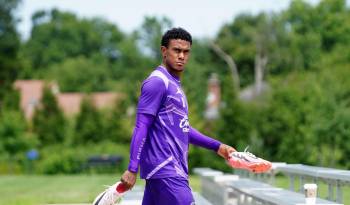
(339, 191)
(315, 181)
(330, 190)
(272, 177)
(291, 182)
(301, 184)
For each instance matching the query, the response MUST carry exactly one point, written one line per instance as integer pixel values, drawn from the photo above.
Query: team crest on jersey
(185, 124)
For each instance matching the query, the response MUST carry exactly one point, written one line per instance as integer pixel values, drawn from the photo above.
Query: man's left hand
(225, 151)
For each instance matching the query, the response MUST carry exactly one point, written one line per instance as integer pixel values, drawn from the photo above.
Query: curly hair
(176, 33)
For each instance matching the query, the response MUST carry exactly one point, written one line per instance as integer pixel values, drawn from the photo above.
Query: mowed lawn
(34, 189)
(31, 189)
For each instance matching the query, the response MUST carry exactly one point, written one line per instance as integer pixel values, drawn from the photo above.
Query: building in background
(213, 98)
(31, 92)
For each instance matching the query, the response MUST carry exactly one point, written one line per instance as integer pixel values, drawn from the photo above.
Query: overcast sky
(202, 18)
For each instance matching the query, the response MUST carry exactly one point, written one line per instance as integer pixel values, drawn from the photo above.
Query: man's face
(177, 54)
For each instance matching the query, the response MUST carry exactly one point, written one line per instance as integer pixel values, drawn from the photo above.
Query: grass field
(32, 189)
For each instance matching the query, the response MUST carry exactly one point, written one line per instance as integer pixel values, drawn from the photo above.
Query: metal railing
(254, 192)
(223, 189)
(214, 186)
(335, 179)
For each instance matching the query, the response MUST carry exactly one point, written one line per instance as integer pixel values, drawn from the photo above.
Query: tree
(151, 33)
(14, 139)
(89, 127)
(81, 74)
(230, 63)
(58, 35)
(286, 124)
(11, 100)
(48, 121)
(9, 46)
(118, 125)
(248, 40)
(304, 34)
(334, 26)
(234, 125)
(332, 128)
(12, 132)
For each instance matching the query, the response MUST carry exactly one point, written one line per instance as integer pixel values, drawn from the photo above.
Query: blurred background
(273, 75)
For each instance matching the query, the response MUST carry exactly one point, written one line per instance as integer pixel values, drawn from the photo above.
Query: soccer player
(163, 132)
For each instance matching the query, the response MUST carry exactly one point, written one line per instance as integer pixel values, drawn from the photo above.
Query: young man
(162, 130)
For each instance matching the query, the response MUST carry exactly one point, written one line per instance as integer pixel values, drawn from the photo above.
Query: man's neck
(174, 73)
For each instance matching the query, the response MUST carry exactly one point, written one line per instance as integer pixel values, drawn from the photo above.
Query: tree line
(295, 62)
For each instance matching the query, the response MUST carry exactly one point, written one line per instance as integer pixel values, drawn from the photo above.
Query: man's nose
(181, 55)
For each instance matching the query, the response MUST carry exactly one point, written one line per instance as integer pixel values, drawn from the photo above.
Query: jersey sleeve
(198, 139)
(142, 124)
(152, 95)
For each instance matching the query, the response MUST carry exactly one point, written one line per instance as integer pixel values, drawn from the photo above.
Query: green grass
(38, 189)
(28, 190)
(195, 183)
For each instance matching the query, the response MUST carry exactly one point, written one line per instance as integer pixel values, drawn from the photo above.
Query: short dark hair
(176, 33)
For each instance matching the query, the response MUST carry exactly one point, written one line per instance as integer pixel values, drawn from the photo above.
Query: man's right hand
(128, 179)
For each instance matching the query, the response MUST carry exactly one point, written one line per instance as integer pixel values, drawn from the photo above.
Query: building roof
(31, 93)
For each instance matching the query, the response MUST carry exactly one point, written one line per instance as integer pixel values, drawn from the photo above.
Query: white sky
(202, 18)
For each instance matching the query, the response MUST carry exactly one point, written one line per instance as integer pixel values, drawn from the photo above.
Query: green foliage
(239, 40)
(117, 124)
(9, 46)
(334, 23)
(304, 118)
(234, 125)
(13, 137)
(334, 136)
(81, 74)
(48, 121)
(132, 66)
(288, 120)
(74, 158)
(59, 35)
(89, 125)
(11, 100)
(303, 34)
(112, 124)
(54, 161)
(150, 35)
(333, 125)
(196, 75)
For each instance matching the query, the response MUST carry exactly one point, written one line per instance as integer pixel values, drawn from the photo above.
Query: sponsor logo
(140, 148)
(184, 124)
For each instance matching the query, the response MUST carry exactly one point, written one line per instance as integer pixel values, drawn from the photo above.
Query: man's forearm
(199, 139)
(142, 124)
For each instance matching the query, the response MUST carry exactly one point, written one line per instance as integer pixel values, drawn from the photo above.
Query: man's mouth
(179, 63)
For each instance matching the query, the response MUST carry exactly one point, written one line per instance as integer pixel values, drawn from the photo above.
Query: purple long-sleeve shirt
(162, 131)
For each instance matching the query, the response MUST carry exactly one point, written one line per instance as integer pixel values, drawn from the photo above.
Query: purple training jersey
(165, 149)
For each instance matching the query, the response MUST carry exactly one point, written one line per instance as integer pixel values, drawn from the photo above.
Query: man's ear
(163, 49)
